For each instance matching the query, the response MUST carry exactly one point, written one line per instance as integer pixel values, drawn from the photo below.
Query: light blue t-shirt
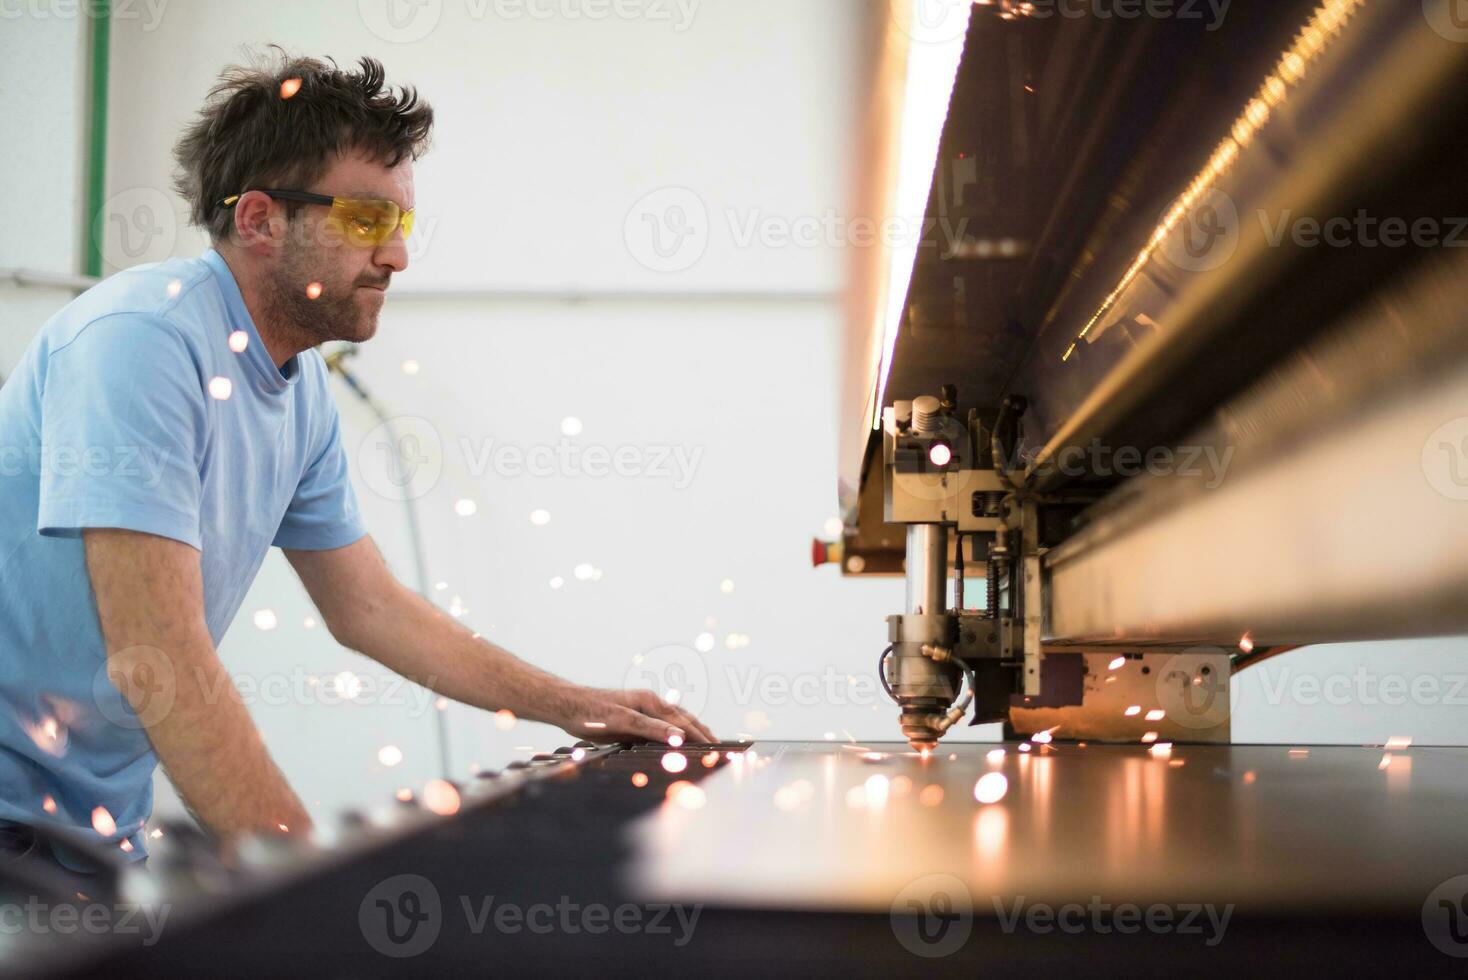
(132, 409)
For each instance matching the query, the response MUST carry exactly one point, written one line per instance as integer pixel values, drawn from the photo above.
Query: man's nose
(393, 253)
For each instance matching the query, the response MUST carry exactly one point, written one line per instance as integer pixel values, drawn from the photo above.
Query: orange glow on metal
(1327, 22)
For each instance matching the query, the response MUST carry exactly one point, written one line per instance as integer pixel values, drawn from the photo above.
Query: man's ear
(260, 223)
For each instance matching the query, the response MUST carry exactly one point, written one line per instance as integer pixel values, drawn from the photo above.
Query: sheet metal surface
(1275, 829)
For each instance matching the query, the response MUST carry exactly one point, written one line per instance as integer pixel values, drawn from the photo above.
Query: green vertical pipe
(97, 138)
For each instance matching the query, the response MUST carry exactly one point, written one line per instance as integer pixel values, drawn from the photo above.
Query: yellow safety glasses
(364, 223)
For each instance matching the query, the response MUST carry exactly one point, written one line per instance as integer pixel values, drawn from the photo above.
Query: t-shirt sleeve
(323, 512)
(123, 421)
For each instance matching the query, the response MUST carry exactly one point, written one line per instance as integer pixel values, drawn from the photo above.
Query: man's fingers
(693, 726)
(637, 724)
(693, 729)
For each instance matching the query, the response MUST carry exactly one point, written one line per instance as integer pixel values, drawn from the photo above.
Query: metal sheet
(817, 825)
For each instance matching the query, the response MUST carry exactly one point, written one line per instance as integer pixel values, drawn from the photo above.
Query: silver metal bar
(927, 569)
(48, 280)
(1341, 513)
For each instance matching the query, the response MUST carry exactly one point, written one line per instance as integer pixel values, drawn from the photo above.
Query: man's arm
(150, 600)
(369, 610)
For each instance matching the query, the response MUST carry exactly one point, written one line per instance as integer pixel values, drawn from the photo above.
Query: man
(173, 423)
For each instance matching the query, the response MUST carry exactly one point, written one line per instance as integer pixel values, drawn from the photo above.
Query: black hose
(882, 673)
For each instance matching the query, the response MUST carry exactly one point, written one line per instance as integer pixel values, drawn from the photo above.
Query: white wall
(43, 78)
(550, 134)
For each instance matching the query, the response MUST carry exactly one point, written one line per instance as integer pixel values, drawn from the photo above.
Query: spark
(125, 845)
(932, 795)
(1246, 643)
(405, 795)
(309, 622)
(1041, 738)
(441, 704)
(794, 795)
(1117, 664)
(584, 572)
(1299, 753)
(571, 426)
(410, 367)
(1177, 763)
(556, 582)
(238, 341)
(1161, 750)
(440, 797)
(289, 87)
(995, 756)
(877, 788)
(578, 754)
(102, 822)
(1149, 738)
(704, 642)
(675, 739)
(540, 517)
(220, 388)
(727, 586)
(313, 290)
(834, 527)
(991, 787)
(265, 619)
(174, 287)
(347, 685)
(1398, 742)
(710, 759)
(639, 779)
(49, 805)
(389, 755)
(595, 724)
(1133, 710)
(1024, 746)
(674, 762)
(1250, 777)
(440, 586)
(157, 833)
(283, 828)
(1156, 714)
(1386, 760)
(686, 795)
(465, 507)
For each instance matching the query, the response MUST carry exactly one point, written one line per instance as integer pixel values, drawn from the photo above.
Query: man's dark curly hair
(250, 135)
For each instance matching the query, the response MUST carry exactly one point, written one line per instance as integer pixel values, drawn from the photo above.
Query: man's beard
(332, 315)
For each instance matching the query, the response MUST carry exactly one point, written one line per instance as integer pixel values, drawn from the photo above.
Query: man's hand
(630, 716)
(368, 610)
